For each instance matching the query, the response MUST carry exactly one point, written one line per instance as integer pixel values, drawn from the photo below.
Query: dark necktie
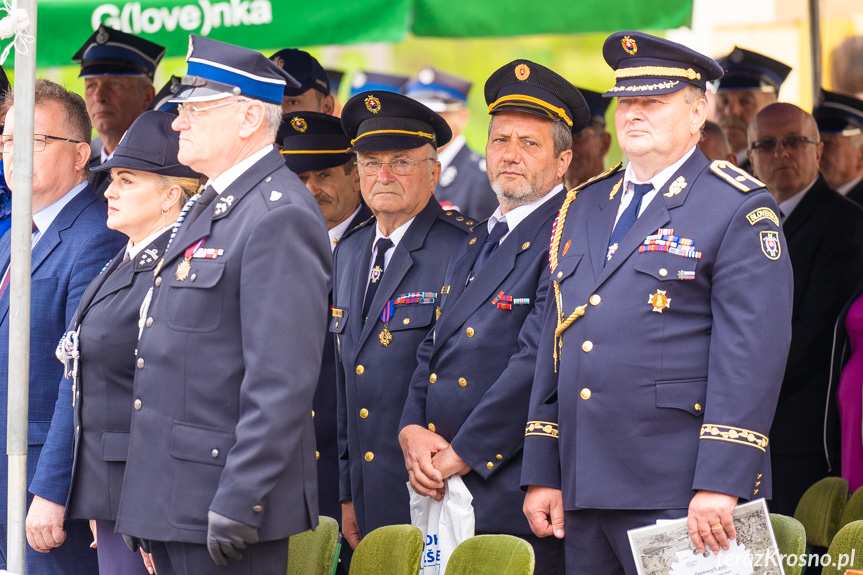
(205, 200)
(488, 247)
(627, 218)
(383, 244)
(8, 273)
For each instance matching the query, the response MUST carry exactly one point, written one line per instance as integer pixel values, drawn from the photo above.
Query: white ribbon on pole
(15, 24)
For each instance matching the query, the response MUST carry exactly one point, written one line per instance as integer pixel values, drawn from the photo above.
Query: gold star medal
(659, 301)
(185, 266)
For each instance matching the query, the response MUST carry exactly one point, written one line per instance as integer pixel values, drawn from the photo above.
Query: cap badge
(102, 36)
(659, 301)
(277, 60)
(426, 76)
(522, 72)
(629, 45)
(373, 105)
(299, 124)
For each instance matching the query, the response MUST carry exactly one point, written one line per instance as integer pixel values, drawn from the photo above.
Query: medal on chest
(185, 266)
(386, 336)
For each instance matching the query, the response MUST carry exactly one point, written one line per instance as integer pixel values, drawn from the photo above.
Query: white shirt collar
(133, 251)
(786, 207)
(517, 215)
(339, 230)
(230, 175)
(448, 154)
(45, 217)
(394, 237)
(658, 181)
(103, 155)
(847, 187)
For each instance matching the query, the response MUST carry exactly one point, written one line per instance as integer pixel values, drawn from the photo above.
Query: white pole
(815, 48)
(19, 304)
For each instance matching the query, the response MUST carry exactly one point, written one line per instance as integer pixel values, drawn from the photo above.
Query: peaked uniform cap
(839, 114)
(748, 70)
(304, 68)
(438, 90)
(312, 141)
(378, 121)
(109, 52)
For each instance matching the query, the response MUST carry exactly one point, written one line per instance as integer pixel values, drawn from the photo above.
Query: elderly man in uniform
(118, 71)
(825, 245)
(463, 183)
(464, 416)
(665, 340)
(751, 81)
(840, 122)
(313, 95)
(590, 145)
(316, 149)
(221, 464)
(387, 282)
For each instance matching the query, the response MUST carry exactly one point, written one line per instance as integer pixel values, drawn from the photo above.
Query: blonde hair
(188, 186)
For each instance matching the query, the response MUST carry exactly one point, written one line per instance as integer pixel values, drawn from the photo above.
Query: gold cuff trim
(734, 435)
(648, 87)
(532, 100)
(405, 132)
(541, 428)
(286, 152)
(657, 71)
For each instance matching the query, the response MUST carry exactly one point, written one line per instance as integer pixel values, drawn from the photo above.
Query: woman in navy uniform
(148, 189)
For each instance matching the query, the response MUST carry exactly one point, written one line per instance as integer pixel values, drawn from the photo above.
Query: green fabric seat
(492, 555)
(847, 544)
(389, 550)
(853, 509)
(791, 540)
(820, 508)
(313, 552)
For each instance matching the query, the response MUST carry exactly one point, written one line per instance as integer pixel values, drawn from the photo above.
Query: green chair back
(846, 551)
(820, 508)
(853, 509)
(492, 555)
(791, 540)
(390, 550)
(313, 552)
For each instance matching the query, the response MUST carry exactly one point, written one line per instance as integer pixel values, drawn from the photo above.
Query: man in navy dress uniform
(221, 465)
(316, 149)
(750, 82)
(387, 283)
(840, 122)
(465, 416)
(666, 330)
(118, 70)
(590, 145)
(463, 183)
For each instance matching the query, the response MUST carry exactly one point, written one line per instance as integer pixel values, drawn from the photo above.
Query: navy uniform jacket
(226, 371)
(825, 244)
(646, 406)
(373, 380)
(464, 184)
(324, 406)
(480, 407)
(99, 181)
(108, 317)
(856, 193)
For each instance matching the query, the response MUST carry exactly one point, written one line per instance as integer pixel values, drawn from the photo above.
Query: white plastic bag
(444, 523)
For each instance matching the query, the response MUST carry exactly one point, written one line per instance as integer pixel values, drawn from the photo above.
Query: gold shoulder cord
(562, 324)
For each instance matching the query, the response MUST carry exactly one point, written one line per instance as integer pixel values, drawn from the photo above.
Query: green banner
(472, 18)
(64, 25)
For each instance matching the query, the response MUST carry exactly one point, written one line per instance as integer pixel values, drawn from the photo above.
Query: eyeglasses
(191, 111)
(39, 142)
(400, 166)
(768, 146)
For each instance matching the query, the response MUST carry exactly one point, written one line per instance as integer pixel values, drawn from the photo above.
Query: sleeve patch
(756, 216)
(738, 178)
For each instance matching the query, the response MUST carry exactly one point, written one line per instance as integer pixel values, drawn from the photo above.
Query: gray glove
(135, 543)
(226, 537)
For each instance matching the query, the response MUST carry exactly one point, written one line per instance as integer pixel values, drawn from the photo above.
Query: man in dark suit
(589, 146)
(70, 245)
(118, 70)
(221, 468)
(387, 282)
(664, 343)
(463, 183)
(825, 244)
(750, 82)
(316, 149)
(468, 419)
(840, 123)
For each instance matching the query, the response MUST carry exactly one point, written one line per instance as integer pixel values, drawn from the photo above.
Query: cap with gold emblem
(524, 86)
(312, 141)
(377, 121)
(645, 65)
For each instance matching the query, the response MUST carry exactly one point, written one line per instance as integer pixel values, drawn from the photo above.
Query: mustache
(323, 199)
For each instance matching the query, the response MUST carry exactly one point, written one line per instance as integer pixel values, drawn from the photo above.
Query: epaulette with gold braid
(598, 177)
(740, 179)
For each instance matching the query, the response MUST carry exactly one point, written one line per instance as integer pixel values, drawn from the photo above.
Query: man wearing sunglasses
(70, 245)
(825, 242)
